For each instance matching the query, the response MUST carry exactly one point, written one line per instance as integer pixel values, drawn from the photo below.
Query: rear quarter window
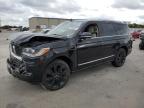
(109, 29)
(121, 29)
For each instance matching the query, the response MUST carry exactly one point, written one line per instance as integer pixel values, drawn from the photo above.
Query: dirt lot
(99, 87)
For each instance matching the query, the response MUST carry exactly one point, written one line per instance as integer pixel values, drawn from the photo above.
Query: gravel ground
(102, 86)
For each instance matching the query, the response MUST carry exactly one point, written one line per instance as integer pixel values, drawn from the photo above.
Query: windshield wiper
(57, 34)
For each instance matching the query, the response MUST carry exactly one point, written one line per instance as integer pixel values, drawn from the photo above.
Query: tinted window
(120, 29)
(107, 29)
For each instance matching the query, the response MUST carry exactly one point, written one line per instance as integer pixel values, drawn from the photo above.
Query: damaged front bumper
(23, 70)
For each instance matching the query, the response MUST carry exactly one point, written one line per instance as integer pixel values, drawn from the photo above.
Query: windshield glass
(65, 29)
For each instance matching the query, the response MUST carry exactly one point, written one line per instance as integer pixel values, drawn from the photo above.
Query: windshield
(65, 29)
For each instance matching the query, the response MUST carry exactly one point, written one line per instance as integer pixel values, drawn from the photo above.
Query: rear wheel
(119, 58)
(56, 76)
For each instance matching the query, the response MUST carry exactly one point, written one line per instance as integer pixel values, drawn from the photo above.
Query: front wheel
(119, 58)
(56, 75)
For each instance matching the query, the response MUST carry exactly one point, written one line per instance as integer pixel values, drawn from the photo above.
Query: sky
(17, 12)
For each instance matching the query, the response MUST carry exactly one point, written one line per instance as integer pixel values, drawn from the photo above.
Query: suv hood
(33, 40)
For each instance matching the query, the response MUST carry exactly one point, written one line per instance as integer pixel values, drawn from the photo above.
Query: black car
(141, 45)
(71, 46)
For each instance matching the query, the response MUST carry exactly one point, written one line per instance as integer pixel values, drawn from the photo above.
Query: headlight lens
(34, 53)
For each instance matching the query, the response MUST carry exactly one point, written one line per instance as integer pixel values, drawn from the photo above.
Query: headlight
(34, 53)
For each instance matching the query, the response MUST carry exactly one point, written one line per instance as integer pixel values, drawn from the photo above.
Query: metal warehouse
(45, 22)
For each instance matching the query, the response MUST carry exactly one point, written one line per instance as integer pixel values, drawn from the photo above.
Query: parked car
(71, 46)
(141, 45)
(136, 34)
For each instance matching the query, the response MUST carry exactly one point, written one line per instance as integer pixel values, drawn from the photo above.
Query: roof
(101, 20)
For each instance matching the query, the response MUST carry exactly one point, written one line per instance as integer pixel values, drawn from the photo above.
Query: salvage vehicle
(71, 46)
(141, 45)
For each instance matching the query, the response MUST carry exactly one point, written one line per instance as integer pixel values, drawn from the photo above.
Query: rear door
(108, 39)
(113, 34)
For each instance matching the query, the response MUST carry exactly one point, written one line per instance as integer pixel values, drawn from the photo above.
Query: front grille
(16, 62)
(17, 65)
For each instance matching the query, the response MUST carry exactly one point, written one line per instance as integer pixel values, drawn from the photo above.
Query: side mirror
(85, 35)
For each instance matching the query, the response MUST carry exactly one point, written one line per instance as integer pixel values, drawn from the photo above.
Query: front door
(89, 50)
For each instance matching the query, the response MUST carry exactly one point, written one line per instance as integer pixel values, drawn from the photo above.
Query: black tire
(141, 46)
(56, 75)
(120, 58)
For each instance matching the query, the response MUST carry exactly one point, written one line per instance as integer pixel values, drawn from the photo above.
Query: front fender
(60, 53)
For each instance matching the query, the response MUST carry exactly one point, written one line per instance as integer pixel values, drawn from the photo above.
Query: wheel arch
(65, 59)
(118, 46)
(125, 48)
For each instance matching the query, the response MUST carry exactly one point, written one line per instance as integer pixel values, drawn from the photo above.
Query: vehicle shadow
(96, 70)
(17, 86)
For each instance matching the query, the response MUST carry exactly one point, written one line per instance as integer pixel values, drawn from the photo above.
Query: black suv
(141, 45)
(71, 46)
